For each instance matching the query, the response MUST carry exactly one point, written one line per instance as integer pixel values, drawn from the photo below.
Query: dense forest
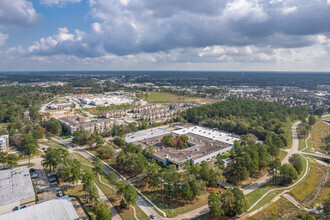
(243, 116)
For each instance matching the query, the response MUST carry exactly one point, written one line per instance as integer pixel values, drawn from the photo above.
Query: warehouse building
(56, 209)
(16, 189)
(204, 144)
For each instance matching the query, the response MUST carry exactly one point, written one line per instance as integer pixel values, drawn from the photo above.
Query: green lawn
(279, 209)
(101, 109)
(282, 154)
(64, 136)
(166, 98)
(52, 143)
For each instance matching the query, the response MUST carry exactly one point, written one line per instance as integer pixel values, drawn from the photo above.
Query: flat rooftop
(199, 147)
(15, 185)
(146, 134)
(209, 133)
(56, 209)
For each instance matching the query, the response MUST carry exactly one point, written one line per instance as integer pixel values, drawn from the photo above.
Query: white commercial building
(205, 144)
(16, 189)
(56, 209)
(4, 143)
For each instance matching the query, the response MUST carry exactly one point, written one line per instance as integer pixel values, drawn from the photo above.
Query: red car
(40, 191)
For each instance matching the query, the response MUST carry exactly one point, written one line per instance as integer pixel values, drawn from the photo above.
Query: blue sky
(291, 35)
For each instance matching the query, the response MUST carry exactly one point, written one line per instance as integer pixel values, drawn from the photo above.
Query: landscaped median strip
(138, 191)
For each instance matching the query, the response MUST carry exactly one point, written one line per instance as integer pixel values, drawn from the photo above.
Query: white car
(60, 193)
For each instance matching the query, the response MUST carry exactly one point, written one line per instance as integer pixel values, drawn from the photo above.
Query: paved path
(266, 178)
(104, 199)
(293, 200)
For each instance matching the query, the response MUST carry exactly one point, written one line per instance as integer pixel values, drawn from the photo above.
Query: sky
(251, 35)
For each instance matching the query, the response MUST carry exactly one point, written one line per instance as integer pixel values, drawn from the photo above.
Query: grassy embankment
(253, 197)
(313, 189)
(315, 142)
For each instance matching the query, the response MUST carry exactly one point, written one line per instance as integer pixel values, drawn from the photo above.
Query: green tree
(240, 201)
(128, 193)
(54, 156)
(215, 206)
(187, 193)
(97, 163)
(30, 149)
(54, 126)
(120, 141)
(297, 162)
(106, 151)
(102, 211)
(38, 133)
(274, 168)
(288, 173)
(311, 120)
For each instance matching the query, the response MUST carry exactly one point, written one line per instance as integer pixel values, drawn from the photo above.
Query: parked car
(16, 208)
(53, 183)
(40, 191)
(152, 216)
(34, 175)
(43, 148)
(51, 175)
(52, 179)
(60, 193)
(23, 207)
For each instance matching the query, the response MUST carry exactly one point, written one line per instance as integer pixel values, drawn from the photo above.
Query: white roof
(145, 134)
(56, 209)
(15, 185)
(209, 133)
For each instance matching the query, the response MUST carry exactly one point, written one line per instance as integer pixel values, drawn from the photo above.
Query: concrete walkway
(104, 199)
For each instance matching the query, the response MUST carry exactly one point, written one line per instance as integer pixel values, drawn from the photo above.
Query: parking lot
(48, 191)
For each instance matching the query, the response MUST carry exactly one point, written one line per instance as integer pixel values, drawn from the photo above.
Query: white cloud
(289, 10)
(58, 2)
(245, 10)
(96, 27)
(3, 38)
(18, 13)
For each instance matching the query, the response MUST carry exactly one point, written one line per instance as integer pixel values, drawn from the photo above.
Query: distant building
(16, 189)
(4, 143)
(76, 123)
(59, 209)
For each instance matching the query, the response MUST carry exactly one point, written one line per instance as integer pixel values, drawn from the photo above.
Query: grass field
(64, 136)
(318, 129)
(101, 109)
(166, 98)
(52, 143)
(278, 210)
(311, 189)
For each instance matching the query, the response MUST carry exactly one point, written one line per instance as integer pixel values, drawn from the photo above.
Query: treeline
(243, 116)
